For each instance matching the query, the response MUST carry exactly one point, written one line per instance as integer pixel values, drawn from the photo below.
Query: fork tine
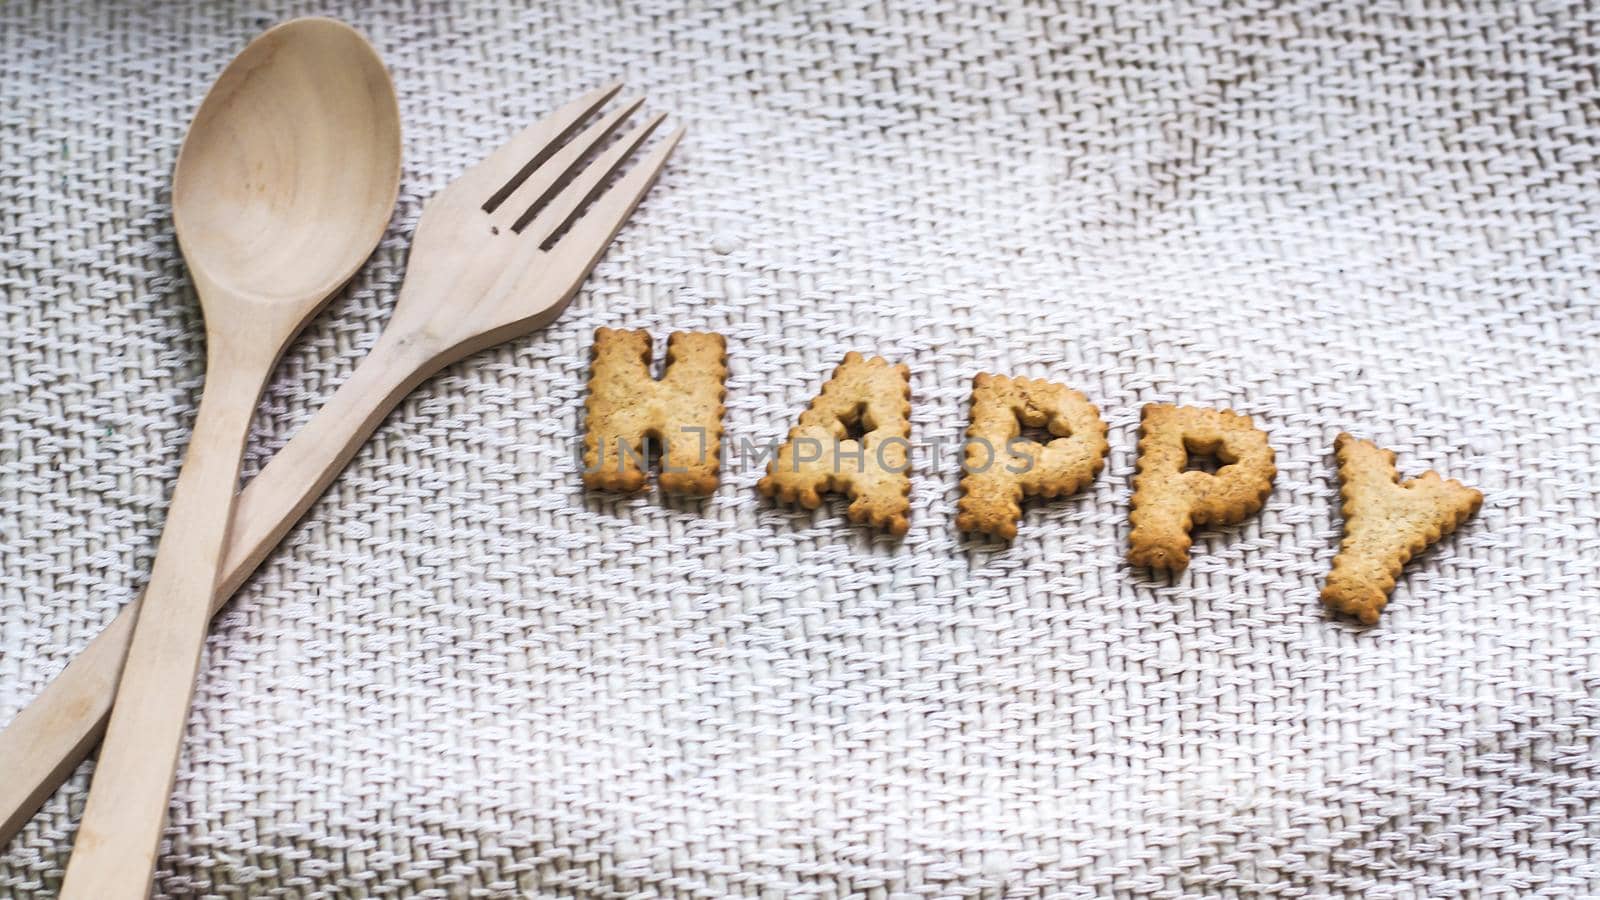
(511, 163)
(606, 217)
(586, 185)
(539, 186)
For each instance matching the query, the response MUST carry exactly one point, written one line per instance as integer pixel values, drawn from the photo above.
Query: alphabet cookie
(681, 413)
(821, 457)
(1001, 468)
(1385, 524)
(1168, 501)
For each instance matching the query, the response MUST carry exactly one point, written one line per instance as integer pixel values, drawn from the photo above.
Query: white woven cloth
(462, 676)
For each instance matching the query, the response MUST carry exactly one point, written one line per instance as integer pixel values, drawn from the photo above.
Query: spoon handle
(58, 730)
(114, 855)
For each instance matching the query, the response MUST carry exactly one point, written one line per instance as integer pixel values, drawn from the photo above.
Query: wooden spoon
(285, 183)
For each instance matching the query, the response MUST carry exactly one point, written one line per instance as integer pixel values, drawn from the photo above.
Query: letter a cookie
(1385, 524)
(1001, 468)
(1169, 501)
(681, 413)
(820, 456)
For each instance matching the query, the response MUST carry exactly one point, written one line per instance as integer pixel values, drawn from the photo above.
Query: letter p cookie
(1001, 468)
(1168, 500)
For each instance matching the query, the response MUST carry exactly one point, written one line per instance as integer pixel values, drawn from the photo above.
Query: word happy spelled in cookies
(855, 439)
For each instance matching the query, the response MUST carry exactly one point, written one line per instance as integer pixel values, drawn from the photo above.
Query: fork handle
(54, 733)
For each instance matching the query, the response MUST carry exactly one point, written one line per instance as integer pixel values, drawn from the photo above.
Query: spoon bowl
(292, 165)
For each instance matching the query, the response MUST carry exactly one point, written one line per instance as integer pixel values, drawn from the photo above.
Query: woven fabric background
(462, 676)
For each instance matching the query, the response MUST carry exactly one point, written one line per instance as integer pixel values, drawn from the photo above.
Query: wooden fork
(498, 253)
